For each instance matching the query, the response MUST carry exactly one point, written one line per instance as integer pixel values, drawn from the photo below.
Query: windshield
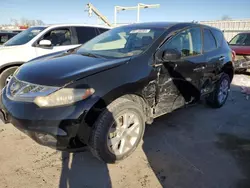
(242, 39)
(24, 37)
(121, 42)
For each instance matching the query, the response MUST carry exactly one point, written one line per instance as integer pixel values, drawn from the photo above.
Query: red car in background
(240, 44)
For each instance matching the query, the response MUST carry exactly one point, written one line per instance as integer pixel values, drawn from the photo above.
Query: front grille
(23, 91)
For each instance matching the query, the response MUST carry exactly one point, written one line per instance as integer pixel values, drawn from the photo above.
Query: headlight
(63, 97)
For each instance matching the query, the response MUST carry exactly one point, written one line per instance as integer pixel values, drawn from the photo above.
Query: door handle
(198, 69)
(221, 58)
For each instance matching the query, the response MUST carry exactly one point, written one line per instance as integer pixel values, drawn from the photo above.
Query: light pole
(138, 7)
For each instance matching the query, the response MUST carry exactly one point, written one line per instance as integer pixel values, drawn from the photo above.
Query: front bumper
(54, 127)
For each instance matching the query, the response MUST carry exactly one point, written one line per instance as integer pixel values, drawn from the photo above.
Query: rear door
(214, 56)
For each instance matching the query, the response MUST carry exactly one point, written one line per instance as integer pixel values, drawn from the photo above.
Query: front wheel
(219, 96)
(117, 131)
(6, 76)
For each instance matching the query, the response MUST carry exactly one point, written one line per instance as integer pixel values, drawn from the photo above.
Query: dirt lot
(196, 147)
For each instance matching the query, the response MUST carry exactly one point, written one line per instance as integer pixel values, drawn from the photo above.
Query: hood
(6, 53)
(5, 48)
(242, 50)
(59, 70)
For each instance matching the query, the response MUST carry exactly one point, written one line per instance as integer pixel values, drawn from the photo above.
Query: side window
(218, 36)
(59, 37)
(3, 38)
(84, 34)
(187, 42)
(209, 41)
(102, 30)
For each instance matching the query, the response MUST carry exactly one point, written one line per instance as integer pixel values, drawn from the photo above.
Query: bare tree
(26, 22)
(226, 17)
(14, 22)
(39, 22)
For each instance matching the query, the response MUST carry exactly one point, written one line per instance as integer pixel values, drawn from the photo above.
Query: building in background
(230, 27)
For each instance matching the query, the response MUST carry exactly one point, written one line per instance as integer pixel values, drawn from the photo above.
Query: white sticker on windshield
(140, 31)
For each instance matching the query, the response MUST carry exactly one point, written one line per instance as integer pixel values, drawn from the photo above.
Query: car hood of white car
(10, 54)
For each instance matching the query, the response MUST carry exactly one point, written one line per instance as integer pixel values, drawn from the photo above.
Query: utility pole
(138, 7)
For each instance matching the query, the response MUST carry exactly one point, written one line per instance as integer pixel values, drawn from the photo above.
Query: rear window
(209, 41)
(102, 30)
(218, 36)
(84, 34)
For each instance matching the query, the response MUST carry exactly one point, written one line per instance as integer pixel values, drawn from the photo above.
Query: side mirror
(171, 55)
(45, 43)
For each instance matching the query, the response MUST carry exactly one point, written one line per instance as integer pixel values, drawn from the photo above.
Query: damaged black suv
(103, 93)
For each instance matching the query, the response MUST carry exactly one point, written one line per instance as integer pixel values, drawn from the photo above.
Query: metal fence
(230, 27)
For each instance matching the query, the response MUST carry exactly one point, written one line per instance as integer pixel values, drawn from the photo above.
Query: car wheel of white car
(6, 76)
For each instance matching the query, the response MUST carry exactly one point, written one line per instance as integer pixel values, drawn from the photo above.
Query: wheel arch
(98, 106)
(8, 65)
(228, 68)
(103, 102)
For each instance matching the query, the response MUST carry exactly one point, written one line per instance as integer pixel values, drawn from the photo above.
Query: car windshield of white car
(24, 37)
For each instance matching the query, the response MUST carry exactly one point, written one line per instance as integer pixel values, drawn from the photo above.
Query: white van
(42, 40)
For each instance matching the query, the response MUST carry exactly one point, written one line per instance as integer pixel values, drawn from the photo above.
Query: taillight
(233, 55)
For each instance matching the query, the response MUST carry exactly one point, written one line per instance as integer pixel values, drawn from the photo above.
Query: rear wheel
(6, 76)
(219, 96)
(118, 131)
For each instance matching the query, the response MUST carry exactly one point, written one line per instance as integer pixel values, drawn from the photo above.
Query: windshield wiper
(91, 55)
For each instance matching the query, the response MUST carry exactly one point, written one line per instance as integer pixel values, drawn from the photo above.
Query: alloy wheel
(124, 133)
(223, 91)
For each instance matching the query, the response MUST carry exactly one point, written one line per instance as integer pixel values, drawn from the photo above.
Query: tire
(5, 74)
(214, 98)
(100, 134)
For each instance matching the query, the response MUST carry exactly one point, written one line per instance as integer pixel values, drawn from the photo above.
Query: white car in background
(41, 40)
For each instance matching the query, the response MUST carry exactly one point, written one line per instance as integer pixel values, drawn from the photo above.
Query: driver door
(180, 81)
(61, 39)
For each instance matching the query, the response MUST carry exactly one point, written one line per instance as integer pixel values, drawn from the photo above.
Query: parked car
(42, 40)
(241, 45)
(102, 94)
(5, 36)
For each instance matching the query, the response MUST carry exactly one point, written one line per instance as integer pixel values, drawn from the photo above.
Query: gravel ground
(195, 147)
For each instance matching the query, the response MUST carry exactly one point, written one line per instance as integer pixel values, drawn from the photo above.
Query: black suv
(103, 93)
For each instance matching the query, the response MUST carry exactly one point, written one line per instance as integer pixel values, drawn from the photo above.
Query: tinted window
(209, 41)
(218, 36)
(3, 38)
(102, 30)
(188, 42)
(84, 34)
(59, 37)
